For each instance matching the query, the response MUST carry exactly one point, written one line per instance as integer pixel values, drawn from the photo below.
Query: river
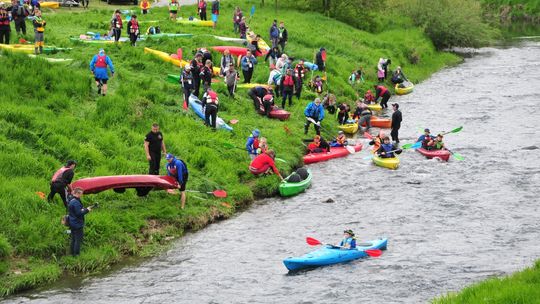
(449, 224)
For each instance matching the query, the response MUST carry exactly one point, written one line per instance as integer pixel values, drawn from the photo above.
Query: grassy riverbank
(51, 112)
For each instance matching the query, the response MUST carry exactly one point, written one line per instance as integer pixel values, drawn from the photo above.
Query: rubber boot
(41, 50)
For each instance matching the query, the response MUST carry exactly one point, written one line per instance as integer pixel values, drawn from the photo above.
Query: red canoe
(102, 183)
(441, 154)
(235, 50)
(380, 122)
(335, 152)
(277, 113)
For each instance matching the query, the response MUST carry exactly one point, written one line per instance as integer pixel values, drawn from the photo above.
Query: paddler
(437, 143)
(377, 141)
(318, 145)
(252, 143)
(177, 168)
(98, 66)
(61, 182)
(425, 139)
(264, 164)
(39, 30)
(384, 93)
(387, 149)
(349, 241)
(340, 141)
(363, 114)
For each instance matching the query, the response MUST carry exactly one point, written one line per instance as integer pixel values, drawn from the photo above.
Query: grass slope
(51, 112)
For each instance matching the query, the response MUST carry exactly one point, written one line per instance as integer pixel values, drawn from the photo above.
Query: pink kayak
(441, 154)
(234, 50)
(276, 113)
(335, 152)
(102, 183)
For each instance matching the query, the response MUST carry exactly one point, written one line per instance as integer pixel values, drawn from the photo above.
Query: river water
(449, 224)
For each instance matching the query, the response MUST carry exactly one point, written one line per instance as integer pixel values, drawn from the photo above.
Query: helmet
(349, 232)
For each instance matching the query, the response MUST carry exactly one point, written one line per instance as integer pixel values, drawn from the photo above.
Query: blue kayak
(329, 255)
(196, 105)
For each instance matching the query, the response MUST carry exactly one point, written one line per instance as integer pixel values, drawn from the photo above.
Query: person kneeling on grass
(177, 168)
(98, 66)
(264, 164)
(387, 149)
(340, 141)
(437, 143)
(318, 145)
(349, 241)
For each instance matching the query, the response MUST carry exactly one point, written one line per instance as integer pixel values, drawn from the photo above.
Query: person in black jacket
(257, 94)
(76, 221)
(19, 14)
(153, 147)
(5, 29)
(206, 75)
(320, 60)
(196, 66)
(186, 80)
(396, 123)
(61, 182)
(283, 36)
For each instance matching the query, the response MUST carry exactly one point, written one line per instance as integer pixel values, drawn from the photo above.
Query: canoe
(171, 35)
(29, 48)
(374, 107)
(380, 122)
(230, 39)
(102, 183)
(349, 128)
(195, 22)
(234, 50)
(390, 163)
(329, 255)
(289, 189)
(335, 152)
(196, 105)
(276, 113)
(440, 154)
(50, 4)
(406, 90)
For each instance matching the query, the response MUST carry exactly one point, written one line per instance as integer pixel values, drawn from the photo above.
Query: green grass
(51, 113)
(519, 288)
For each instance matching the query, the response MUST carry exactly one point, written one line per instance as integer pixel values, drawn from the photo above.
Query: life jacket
(101, 61)
(173, 6)
(202, 5)
(438, 145)
(58, 174)
(145, 5)
(369, 97)
(288, 82)
(212, 97)
(299, 71)
(341, 139)
(5, 21)
(41, 24)
(134, 26)
(383, 90)
(377, 143)
(268, 97)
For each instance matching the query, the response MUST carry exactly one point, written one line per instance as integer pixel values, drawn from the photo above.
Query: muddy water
(448, 224)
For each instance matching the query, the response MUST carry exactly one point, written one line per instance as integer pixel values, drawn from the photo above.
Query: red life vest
(101, 61)
(268, 97)
(212, 97)
(288, 82)
(134, 25)
(383, 90)
(202, 4)
(256, 143)
(58, 174)
(5, 21)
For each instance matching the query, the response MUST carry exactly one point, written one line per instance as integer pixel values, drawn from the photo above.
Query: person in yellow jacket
(39, 30)
(145, 6)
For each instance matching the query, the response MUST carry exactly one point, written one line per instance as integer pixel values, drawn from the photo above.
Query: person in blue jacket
(349, 241)
(177, 168)
(314, 112)
(387, 149)
(425, 139)
(252, 144)
(76, 220)
(98, 66)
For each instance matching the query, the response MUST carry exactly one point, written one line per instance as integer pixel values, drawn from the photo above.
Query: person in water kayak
(264, 164)
(387, 149)
(318, 145)
(349, 241)
(425, 139)
(437, 143)
(340, 141)
(377, 141)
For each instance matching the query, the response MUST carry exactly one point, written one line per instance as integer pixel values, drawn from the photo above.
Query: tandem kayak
(349, 128)
(234, 50)
(329, 255)
(390, 162)
(409, 86)
(287, 188)
(195, 22)
(440, 154)
(335, 152)
(380, 122)
(196, 105)
(103, 183)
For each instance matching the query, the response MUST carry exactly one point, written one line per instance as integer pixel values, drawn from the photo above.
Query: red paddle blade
(367, 135)
(184, 106)
(373, 252)
(220, 193)
(313, 242)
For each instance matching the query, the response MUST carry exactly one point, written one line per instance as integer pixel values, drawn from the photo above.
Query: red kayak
(235, 50)
(277, 113)
(380, 122)
(441, 154)
(120, 182)
(335, 152)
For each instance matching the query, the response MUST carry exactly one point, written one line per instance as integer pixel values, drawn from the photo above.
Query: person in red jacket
(202, 9)
(264, 164)
(382, 91)
(61, 182)
(5, 29)
(287, 83)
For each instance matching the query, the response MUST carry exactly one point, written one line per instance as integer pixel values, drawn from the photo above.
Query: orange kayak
(380, 122)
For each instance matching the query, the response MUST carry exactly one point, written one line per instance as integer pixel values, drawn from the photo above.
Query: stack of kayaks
(406, 89)
(351, 127)
(380, 122)
(335, 152)
(389, 162)
(440, 154)
(329, 255)
(287, 188)
(30, 49)
(195, 22)
(196, 105)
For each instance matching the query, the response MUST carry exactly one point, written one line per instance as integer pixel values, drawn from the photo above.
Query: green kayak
(287, 188)
(172, 78)
(161, 35)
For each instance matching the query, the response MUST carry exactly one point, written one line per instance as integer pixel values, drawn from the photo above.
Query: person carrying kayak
(369, 98)
(210, 103)
(340, 141)
(98, 66)
(343, 113)
(299, 74)
(202, 9)
(231, 78)
(396, 123)
(349, 241)
(377, 141)
(186, 81)
(363, 114)
(425, 139)
(196, 68)
(314, 113)
(133, 29)
(252, 144)
(398, 76)
(257, 94)
(39, 30)
(387, 149)
(264, 164)
(177, 168)
(436, 143)
(318, 145)
(61, 182)
(248, 65)
(116, 25)
(382, 91)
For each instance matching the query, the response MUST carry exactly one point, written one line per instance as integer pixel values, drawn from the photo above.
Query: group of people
(18, 13)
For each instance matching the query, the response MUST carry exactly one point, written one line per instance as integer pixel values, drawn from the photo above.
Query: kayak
(102, 40)
(380, 122)
(102, 183)
(234, 50)
(166, 57)
(311, 66)
(374, 107)
(50, 59)
(289, 189)
(335, 152)
(195, 22)
(329, 255)
(440, 154)
(390, 163)
(29, 48)
(50, 4)
(252, 85)
(161, 35)
(173, 78)
(349, 128)
(196, 105)
(263, 46)
(229, 39)
(276, 113)
(406, 90)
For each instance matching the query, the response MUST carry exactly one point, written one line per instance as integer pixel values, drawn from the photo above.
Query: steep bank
(50, 112)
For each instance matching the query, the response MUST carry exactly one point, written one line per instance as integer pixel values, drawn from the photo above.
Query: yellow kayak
(349, 128)
(406, 90)
(390, 163)
(50, 4)
(252, 85)
(195, 22)
(262, 44)
(165, 57)
(374, 107)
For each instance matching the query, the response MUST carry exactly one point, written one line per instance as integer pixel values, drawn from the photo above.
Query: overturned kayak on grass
(335, 152)
(290, 188)
(329, 255)
(121, 182)
(440, 154)
(196, 105)
(49, 4)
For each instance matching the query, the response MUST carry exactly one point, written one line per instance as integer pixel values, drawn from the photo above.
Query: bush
(5, 247)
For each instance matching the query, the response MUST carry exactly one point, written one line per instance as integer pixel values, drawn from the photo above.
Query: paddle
(280, 160)
(404, 147)
(348, 148)
(457, 156)
(216, 193)
(453, 131)
(371, 252)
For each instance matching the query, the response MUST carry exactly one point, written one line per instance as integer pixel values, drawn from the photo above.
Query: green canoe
(290, 189)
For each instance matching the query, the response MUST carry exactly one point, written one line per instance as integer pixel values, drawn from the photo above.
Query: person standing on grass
(133, 29)
(186, 80)
(237, 17)
(145, 6)
(248, 65)
(39, 30)
(215, 12)
(173, 9)
(19, 13)
(196, 68)
(288, 88)
(231, 78)
(98, 66)
(153, 147)
(274, 34)
(226, 62)
(202, 9)
(206, 75)
(242, 27)
(177, 168)
(211, 106)
(396, 123)
(61, 182)
(85, 3)
(5, 29)
(283, 36)
(76, 221)
(116, 25)
(299, 74)
(320, 60)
